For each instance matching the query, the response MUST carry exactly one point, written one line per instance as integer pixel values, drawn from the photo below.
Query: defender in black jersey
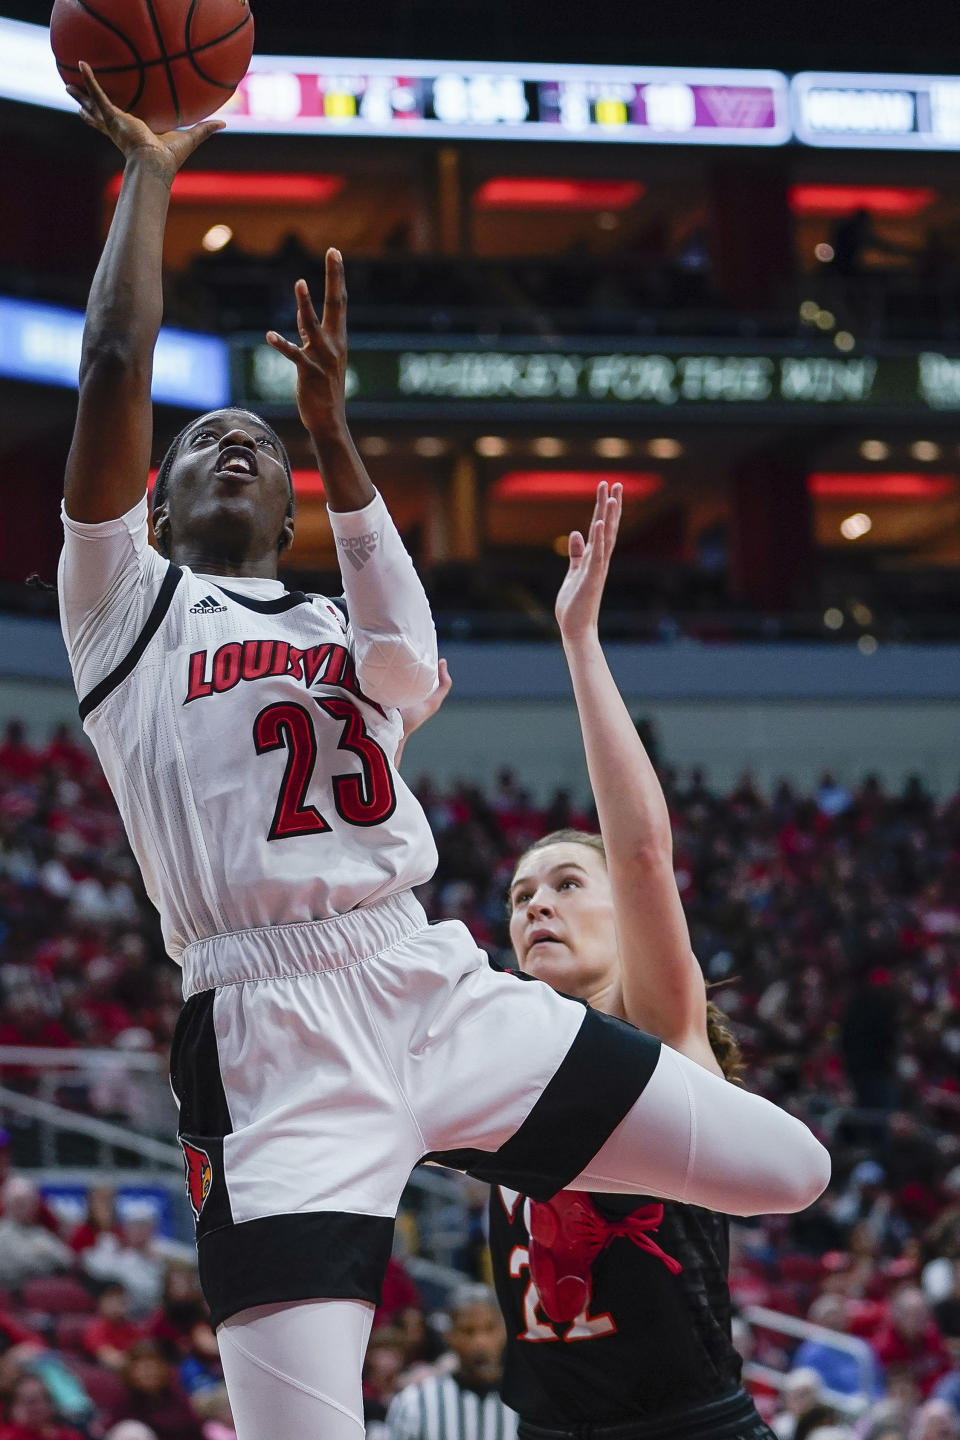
(617, 1306)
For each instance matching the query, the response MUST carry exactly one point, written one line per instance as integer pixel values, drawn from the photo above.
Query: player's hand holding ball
(170, 63)
(578, 602)
(163, 153)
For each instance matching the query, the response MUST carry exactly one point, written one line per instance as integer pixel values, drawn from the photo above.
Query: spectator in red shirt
(111, 1333)
(911, 1339)
(65, 754)
(31, 1416)
(100, 1219)
(17, 760)
(181, 1327)
(154, 1397)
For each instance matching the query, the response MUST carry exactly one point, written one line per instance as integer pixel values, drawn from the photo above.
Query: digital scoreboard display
(292, 95)
(879, 112)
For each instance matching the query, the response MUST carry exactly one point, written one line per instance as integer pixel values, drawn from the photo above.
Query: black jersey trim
(600, 1078)
(323, 1255)
(268, 607)
(733, 1417)
(127, 665)
(204, 1118)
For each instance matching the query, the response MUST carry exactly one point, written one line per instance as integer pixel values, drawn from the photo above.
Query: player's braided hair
(162, 484)
(723, 1042)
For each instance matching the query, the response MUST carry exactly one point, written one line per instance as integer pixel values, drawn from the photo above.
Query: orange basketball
(170, 62)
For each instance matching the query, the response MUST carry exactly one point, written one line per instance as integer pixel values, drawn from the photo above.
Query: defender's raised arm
(110, 455)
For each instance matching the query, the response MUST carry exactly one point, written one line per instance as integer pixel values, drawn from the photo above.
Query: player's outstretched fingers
(576, 546)
(307, 322)
(285, 346)
(335, 298)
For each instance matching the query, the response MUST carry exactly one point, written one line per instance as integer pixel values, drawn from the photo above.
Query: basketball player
(617, 1307)
(330, 1038)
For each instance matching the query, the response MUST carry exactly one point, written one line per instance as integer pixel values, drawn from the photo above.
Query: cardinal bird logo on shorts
(199, 1176)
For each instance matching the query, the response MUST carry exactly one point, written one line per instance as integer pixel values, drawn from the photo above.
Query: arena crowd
(828, 926)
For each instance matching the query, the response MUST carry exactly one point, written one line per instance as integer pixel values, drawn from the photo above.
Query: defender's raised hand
(321, 358)
(166, 153)
(578, 602)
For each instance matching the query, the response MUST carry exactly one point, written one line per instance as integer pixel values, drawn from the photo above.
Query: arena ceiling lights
(890, 485)
(247, 187)
(815, 199)
(547, 192)
(553, 485)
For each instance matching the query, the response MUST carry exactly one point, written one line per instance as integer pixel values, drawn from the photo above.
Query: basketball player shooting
(330, 1038)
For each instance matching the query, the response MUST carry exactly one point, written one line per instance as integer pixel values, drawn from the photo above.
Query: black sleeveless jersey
(650, 1335)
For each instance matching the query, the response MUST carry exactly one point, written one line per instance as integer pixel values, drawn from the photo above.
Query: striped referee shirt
(440, 1408)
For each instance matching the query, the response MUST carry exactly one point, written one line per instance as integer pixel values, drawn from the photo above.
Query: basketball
(169, 62)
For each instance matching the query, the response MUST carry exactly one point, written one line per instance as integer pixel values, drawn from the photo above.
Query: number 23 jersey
(254, 776)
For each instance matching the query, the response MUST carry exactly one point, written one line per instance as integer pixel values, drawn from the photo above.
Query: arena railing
(758, 1317)
(48, 1102)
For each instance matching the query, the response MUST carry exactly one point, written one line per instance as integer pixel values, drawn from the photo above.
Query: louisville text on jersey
(324, 664)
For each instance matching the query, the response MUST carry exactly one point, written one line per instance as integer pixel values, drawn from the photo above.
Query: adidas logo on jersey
(207, 606)
(359, 548)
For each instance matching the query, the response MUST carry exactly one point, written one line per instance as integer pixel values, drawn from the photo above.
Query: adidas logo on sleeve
(207, 606)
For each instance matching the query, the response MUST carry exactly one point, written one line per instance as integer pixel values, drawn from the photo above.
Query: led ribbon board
(877, 112)
(462, 100)
(390, 380)
(42, 343)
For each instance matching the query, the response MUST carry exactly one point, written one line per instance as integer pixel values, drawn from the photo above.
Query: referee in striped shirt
(466, 1404)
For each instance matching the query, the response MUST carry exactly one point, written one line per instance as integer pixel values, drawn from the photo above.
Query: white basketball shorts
(316, 1064)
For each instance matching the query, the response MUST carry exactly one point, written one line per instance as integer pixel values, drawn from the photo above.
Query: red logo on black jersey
(199, 1176)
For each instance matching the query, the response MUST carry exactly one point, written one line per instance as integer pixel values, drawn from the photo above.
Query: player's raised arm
(395, 643)
(663, 988)
(110, 455)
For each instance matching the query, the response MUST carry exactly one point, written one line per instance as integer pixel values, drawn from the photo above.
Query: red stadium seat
(106, 1390)
(57, 1295)
(68, 1331)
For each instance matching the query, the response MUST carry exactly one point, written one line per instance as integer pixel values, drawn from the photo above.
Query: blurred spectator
(182, 1329)
(111, 1333)
(870, 1040)
(936, 1420)
(802, 1390)
(383, 1367)
(948, 1389)
(213, 1408)
(838, 1370)
(154, 1397)
(17, 760)
(30, 1414)
(100, 1219)
(136, 1258)
(27, 1249)
(910, 1339)
(814, 1421)
(476, 1337)
(45, 1215)
(130, 1430)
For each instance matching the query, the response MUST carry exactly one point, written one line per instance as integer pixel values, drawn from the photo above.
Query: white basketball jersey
(255, 779)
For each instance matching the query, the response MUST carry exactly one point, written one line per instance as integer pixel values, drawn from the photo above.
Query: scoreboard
(482, 100)
(297, 95)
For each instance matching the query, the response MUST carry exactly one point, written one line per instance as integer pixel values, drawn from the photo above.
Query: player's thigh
(296, 1369)
(694, 1137)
